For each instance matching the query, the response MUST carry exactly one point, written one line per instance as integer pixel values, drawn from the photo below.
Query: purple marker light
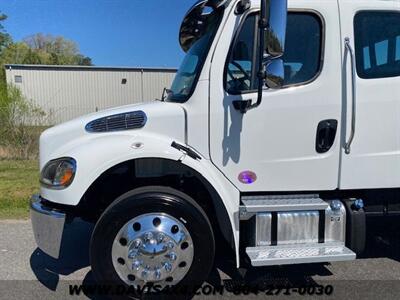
(247, 177)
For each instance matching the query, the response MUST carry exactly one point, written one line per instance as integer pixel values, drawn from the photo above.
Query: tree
(5, 38)
(56, 50)
(21, 122)
(38, 49)
(84, 60)
(20, 53)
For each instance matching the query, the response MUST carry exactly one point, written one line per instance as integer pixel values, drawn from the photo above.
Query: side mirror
(275, 35)
(193, 22)
(275, 74)
(191, 26)
(272, 35)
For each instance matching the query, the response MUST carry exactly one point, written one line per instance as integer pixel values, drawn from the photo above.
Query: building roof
(87, 68)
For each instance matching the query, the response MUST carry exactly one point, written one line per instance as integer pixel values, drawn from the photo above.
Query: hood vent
(125, 121)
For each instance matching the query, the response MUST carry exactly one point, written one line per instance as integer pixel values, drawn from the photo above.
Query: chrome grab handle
(347, 146)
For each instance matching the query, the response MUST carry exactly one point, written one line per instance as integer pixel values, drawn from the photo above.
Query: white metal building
(65, 92)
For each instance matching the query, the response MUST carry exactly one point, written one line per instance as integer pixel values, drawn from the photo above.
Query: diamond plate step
(299, 254)
(254, 204)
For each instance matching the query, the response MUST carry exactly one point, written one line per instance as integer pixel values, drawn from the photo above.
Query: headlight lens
(58, 173)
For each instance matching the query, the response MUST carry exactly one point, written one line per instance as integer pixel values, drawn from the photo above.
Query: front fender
(228, 193)
(97, 155)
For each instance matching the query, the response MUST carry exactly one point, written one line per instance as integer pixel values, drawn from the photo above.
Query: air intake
(125, 121)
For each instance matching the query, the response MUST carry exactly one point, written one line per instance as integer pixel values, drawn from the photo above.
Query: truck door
(292, 141)
(372, 94)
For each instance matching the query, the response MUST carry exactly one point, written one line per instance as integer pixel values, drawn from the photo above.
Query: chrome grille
(119, 122)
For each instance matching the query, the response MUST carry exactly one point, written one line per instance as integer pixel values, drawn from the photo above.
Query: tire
(141, 204)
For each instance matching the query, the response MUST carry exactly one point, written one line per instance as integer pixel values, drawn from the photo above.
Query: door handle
(326, 135)
(349, 50)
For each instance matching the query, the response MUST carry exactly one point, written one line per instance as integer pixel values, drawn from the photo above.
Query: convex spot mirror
(275, 74)
(194, 22)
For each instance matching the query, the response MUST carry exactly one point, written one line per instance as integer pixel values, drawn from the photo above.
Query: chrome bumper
(48, 227)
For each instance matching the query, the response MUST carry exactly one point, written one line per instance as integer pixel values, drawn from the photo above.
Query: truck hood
(162, 119)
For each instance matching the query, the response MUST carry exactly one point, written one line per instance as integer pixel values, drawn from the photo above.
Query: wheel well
(137, 173)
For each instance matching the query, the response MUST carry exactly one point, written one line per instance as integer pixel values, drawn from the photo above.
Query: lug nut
(132, 254)
(172, 256)
(145, 273)
(157, 274)
(137, 243)
(136, 265)
(170, 245)
(148, 236)
(160, 237)
(168, 267)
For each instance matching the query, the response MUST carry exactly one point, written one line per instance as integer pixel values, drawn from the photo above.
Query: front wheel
(153, 236)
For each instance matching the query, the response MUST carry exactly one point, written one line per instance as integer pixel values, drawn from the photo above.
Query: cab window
(240, 70)
(302, 59)
(303, 49)
(377, 44)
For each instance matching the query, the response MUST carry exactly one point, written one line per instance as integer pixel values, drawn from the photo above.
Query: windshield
(189, 71)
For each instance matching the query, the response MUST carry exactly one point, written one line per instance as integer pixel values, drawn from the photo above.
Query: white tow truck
(279, 137)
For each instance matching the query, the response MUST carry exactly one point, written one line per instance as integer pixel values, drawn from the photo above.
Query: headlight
(58, 173)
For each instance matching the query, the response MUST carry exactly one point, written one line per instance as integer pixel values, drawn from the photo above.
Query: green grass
(19, 179)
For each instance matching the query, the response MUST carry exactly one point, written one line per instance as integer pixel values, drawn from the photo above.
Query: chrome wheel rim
(153, 248)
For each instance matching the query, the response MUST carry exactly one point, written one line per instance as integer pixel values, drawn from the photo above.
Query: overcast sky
(112, 32)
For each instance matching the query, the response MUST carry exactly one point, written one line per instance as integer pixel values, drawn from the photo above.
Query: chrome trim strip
(48, 226)
(349, 50)
(186, 125)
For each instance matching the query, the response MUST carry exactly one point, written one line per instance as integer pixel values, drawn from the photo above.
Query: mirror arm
(263, 26)
(270, 68)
